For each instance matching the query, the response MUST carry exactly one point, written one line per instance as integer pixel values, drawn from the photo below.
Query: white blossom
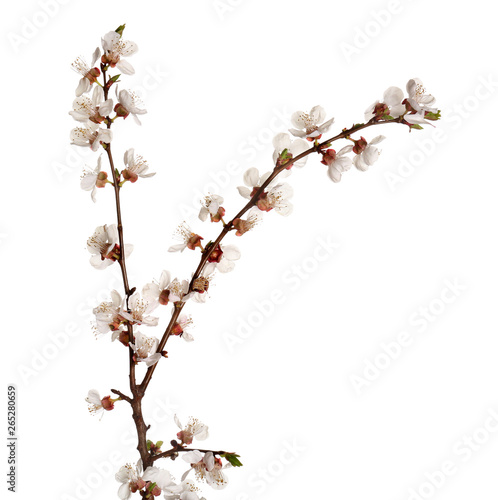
(252, 180)
(187, 490)
(194, 429)
(369, 155)
(418, 99)
(159, 476)
(96, 404)
(115, 48)
(207, 468)
(104, 246)
(128, 476)
(132, 104)
(337, 162)
(282, 142)
(187, 237)
(145, 349)
(90, 135)
(393, 98)
(88, 73)
(230, 255)
(107, 315)
(94, 109)
(136, 166)
(140, 308)
(210, 206)
(310, 125)
(91, 179)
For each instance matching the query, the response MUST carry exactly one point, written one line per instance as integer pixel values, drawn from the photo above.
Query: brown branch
(121, 395)
(317, 148)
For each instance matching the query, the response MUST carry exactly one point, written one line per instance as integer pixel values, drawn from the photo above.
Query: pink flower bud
(194, 241)
(101, 179)
(164, 297)
(360, 145)
(93, 74)
(121, 111)
(328, 157)
(129, 175)
(107, 403)
(216, 254)
(185, 437)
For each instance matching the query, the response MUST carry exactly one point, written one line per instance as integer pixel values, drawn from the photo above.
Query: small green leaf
(433, 116)
(114, 79)
(233, 459)
(120, 29)
(159, 444)
(417, 126)
(149, 442)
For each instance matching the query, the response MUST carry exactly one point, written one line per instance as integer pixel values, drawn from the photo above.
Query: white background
(218, 84)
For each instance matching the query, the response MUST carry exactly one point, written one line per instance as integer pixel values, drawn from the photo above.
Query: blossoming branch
(98, 105)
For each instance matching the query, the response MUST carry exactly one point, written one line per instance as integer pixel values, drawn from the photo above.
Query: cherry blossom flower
(145, 349)
(337, 162)
(140, 309)
(243, 226)
(131, 480)
(129, 103)
(96, 404)
(207, 468)
(135, 167)
(159, 476)
(180, 326)
(200, 285)
(93, 179)
(283, 142)
(104, 246)
(211, 206)
(252, 180)
(194, 429)
(91, 135)
(187, 490)
(89, 74)
(277, 197)
(108, 315)
(159, 291)
(115, 48)
(94, 109)
(308, 125)
(188, 238)
(369, 155)
(417, 98)
(224, 257)
(392, 105)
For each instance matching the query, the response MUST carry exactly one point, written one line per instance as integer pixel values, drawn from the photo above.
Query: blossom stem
(136, 400)
(316, 148)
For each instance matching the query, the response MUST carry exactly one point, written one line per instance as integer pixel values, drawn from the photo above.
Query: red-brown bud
(129, 175)
(328, 157)
(107, 403)
(194, 241)
(164, 297)
(121, 111)
(101, 179)
(360, 145)
(216, 254)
